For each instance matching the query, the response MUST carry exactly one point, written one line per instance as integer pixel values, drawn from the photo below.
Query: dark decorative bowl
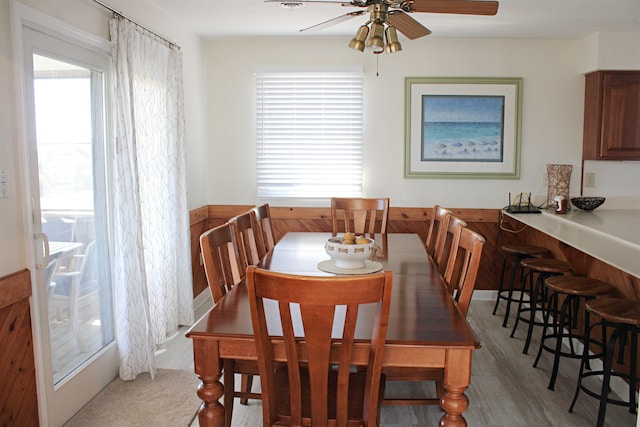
(587, 203)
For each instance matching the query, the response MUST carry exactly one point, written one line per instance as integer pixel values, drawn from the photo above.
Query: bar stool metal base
(537, 293)
(577, 290)
(515, 252)
(624, 316)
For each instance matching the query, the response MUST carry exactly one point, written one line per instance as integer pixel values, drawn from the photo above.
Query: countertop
(610, 235)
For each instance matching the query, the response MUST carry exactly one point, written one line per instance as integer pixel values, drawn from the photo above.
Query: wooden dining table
(425, 327)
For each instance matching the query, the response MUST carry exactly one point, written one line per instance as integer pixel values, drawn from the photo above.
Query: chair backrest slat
(263, 217)
(249, 238)
(359, 216)
(439, 218)
(222, 263)
(463, 266)
(445, 241)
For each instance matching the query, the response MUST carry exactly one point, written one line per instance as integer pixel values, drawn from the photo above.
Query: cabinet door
(620, 116)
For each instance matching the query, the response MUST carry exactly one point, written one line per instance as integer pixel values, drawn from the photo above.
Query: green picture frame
(463, 127)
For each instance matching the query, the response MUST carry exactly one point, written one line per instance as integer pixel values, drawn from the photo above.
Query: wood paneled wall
(18, 396)
(401, 220)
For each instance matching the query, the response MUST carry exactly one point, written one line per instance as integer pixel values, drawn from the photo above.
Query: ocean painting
(462, 128)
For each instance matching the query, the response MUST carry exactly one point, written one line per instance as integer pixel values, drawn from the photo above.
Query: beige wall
(552, 109)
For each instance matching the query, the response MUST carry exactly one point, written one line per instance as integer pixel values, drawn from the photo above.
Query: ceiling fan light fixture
(358, 42)
(393, 45)
(375, 42)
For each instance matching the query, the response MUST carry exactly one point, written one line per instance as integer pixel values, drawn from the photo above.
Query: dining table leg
(457, 377)
(208, 367)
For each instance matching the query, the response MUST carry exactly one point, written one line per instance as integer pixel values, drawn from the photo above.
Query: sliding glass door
(66, 96)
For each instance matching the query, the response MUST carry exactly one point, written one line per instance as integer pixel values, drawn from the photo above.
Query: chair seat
(522, 249)
(577, 285)
(617, 310)
(546, 265)
(356, 392)
(246, 367)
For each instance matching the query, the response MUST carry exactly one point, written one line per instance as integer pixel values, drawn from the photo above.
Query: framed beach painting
(462, 127)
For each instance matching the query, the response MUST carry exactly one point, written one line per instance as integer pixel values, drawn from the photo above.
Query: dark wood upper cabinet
(612, 116)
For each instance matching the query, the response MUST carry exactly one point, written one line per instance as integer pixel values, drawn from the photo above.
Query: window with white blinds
(309, 134)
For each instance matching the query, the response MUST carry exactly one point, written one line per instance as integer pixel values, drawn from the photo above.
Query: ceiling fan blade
(334, 21)
(466, 7)
(408, 26)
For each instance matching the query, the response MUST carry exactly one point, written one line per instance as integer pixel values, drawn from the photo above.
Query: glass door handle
(45, 245)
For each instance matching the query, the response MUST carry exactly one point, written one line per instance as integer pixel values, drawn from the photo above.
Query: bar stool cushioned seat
(624, 316)
(514, 252)
(543, 267)
(576, 290)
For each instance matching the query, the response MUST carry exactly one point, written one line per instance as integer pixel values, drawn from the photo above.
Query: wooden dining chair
(223, 266)
(317, 386)
(439, 220)
(460, 277)
(445, 241)
(263, 217)
(359, 216)
(463, 266)
(249, 237)
(224, 269)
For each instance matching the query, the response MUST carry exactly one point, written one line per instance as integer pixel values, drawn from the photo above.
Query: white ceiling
(515, 18)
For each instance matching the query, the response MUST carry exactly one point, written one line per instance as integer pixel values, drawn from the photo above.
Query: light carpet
(170, 400)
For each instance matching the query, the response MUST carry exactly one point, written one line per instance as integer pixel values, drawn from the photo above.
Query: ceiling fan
(387, 16)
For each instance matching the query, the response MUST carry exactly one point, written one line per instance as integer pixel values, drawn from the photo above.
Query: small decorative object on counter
(587, 203)
(559, 177)
(561, 204)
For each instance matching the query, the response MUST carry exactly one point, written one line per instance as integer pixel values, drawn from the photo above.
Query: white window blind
(309, 134)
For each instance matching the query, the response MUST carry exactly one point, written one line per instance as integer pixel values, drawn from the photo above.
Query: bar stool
(624, 316)
(515, 252)
(575, 289)
(543, 267)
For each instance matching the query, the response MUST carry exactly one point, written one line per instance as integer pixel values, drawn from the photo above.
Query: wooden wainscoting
(18, 396)
(401, 220)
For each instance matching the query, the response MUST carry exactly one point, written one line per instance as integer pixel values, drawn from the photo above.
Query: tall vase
(559, 177)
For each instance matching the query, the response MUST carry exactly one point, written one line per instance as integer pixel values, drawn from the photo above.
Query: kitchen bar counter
(609, 235)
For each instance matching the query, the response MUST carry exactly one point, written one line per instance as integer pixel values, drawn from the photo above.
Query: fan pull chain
(377, 65)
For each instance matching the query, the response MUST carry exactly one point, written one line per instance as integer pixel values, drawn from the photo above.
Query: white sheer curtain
(153, 290)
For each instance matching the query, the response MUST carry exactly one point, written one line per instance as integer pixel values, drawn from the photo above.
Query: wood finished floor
(505, 389)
